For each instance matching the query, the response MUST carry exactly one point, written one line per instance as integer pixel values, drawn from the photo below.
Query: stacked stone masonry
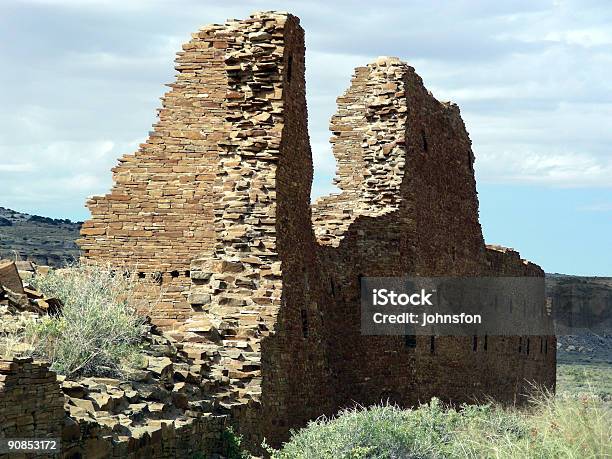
(260, 286)
(34, 405)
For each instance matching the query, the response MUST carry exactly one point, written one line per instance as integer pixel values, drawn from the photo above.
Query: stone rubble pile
(168, 388)
(20, 305)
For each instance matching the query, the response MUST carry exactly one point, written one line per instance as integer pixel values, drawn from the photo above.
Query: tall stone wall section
(270, 306)
(159, 213)
(430, 229)
(369, 145)
(260, 291)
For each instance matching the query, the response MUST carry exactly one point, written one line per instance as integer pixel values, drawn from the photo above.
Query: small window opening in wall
(486, 342)
(174, 273)
(475, 343)
(410, 341)
(187, 274)
(520, 344)
(527, 346)
(546, 345)
(359, 277)
(333, 287)
(157, 277)
(424, 141)
(141, 275)
(304, 323)
(541, 344)
(432, 344)
(289, 68)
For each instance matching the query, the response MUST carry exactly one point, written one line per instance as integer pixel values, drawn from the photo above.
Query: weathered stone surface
(260, 287)
(9, 276)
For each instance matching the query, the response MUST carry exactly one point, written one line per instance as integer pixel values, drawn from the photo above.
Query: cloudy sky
(81, 80)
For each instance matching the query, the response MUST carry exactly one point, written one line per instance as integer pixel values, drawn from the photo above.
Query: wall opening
(527, 346)
(304, 323)
(541, 344)
(289, 67)
(424, 142)
(486, 342)
(432, 344)
(174, 273)
(475, 343)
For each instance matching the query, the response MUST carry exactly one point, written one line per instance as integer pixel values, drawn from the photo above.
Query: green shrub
(551, 427)
(98, 331)
(232, 444)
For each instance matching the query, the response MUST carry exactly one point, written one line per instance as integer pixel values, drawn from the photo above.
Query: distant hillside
(583, 313)
(580, 302)
(46, 241)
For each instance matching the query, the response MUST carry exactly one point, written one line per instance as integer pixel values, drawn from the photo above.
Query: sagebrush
(552, 427)
(99, 329)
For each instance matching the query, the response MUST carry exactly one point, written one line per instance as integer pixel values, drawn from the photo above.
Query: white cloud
(598, 207)
(531, 78)
(562, 169)
(16, 167)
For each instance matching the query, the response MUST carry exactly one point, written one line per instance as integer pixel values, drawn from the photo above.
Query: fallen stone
(9, 277)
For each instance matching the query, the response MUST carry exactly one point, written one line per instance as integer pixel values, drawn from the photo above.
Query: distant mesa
(43, 240)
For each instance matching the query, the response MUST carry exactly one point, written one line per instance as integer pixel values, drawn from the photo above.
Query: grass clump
(551, 427)
(98, 331)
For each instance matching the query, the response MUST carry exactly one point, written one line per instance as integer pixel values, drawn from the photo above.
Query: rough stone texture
(159, 213)
(32, 406)
(30, 400)
(9, 276)
(221, 189)
(428, 226)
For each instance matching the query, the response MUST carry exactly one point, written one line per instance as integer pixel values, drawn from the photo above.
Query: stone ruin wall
(31, 402)
(32, 405)
(220, 192)
(159, 213)
(260, 289)
(255, 204)
(431, 230)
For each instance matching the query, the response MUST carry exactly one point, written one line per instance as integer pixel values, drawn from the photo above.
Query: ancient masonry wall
(434, 230)
(262, 288)
(159, 213)
(369, 145)
(31, 402)
(32, 406)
